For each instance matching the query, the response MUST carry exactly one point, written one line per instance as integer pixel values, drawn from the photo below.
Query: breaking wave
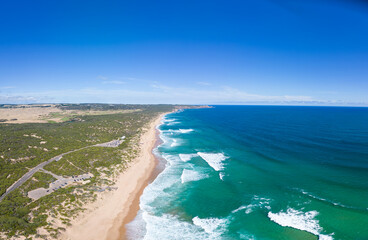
(215, 160)
(191, 175)
(187, 157)
(300, 220)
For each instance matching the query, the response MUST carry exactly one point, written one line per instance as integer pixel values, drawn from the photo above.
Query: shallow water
(259, 172)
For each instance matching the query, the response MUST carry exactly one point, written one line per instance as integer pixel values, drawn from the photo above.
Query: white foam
(136, 229)
(326, 200)
(179, 130)
(257, 202)
(164, 139)
(167, 178)
(246, 236)
(148, 226)
(191, 175)
(300, 220)
(174, 143)
(172, 123)
(215, 160)
(170, 142)
(239, 209)
(213, 226)
(185, 130)
(151, 224)
(222, 175)
(187, 157)
(248, 208)
(167, 227)
(169, 120)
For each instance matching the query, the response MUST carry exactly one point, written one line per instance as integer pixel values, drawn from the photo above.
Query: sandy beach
(105, 218)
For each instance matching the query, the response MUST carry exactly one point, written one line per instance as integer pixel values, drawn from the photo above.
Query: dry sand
(29, 114)
(106, 217)
(42, 114)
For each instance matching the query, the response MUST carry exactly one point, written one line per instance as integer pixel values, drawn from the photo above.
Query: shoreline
(107, 216)
(134, 207)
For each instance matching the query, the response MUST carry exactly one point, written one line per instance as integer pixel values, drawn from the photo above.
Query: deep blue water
(259, 172)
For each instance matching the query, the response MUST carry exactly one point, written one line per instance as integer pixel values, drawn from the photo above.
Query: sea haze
(259, 172)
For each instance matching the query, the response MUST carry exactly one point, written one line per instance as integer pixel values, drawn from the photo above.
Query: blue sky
(187, 52)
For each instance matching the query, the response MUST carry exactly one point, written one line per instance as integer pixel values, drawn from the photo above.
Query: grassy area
(87, 161)
(39, 179)
(23, 146)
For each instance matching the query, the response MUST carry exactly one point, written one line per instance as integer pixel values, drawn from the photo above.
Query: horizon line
(195, 104)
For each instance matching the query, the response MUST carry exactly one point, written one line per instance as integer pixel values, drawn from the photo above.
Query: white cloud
(327, 92)
(18, 99)
(132, 79)
(7, 87)
(113, 82)
(204, 83)
(159, 93)
(161, 87)
(102, 77)
(106, 80)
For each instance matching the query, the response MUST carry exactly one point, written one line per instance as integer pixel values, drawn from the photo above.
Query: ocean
(259, 172)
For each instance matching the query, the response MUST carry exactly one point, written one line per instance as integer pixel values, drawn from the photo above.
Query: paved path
(30, 173)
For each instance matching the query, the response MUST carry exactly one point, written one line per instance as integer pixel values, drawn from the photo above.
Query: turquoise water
(259, 172)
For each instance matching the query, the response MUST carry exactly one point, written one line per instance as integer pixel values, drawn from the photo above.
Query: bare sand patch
(47, 113)
(26, 114)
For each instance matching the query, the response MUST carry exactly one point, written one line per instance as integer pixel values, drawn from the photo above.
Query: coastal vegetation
(24, 146)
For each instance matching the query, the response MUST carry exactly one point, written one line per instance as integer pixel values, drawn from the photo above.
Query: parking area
(61, 182)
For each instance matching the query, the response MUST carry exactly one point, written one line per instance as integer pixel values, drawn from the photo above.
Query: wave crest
(213, 226)
(300, 220)
(191, 175)
(215, 160)
(187, 157)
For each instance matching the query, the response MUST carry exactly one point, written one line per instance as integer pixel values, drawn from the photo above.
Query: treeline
(105, 107)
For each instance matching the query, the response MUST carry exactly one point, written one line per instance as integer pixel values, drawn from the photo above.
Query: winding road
(29, 174)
